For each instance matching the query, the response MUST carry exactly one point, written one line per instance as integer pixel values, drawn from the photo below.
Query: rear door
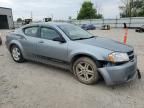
(31, 42)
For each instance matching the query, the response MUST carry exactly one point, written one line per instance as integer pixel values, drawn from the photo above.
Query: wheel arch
(11, 45)
(21, 58)
(17, 44)
(98, 62)
(77, 56)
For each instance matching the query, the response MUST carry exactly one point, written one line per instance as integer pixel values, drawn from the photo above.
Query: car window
(48, 33)
(31, 31)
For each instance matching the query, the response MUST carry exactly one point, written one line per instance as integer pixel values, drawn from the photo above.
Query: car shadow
(101, 84)
(51, 67)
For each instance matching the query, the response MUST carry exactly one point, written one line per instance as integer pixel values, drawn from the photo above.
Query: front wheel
(85, 70)
(16, 54)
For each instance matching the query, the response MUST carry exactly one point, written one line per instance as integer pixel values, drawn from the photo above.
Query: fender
(15, 42)
(96, 56)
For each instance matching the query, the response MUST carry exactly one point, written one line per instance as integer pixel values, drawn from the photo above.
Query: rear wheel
(16, 54)
(85, 70)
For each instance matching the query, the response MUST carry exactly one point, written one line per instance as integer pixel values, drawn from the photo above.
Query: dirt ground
(34, 85)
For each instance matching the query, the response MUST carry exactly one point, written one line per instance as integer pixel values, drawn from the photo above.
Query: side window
(48, 33)
(31, 31)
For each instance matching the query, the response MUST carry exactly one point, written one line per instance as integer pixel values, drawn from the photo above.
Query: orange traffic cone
(125, 36)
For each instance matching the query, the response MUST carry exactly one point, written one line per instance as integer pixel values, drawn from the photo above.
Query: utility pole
(116, 22)
(31, 15)
(52, 16)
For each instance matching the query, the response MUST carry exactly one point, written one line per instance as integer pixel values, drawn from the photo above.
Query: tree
(19, 19)
(69, 18)
(138, 8)
(88, 12)
(132, 8)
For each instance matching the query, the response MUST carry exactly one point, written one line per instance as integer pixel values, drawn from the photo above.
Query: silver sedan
(68, 46)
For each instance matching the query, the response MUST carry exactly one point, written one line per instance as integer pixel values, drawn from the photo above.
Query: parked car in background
(105, 27)
(0, 41)
(140, 29)
(68, 46)
(88, 27)
(26, 21)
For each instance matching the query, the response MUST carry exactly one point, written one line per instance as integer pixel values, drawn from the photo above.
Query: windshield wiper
(92, 36)
(79, 38)
(85, 38)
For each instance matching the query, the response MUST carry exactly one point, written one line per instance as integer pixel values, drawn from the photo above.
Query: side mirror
(60, 39)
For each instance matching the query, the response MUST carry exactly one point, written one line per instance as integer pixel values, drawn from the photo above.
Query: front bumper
(120, 74)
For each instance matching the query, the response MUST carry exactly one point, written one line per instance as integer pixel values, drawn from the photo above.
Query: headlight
(118, 57)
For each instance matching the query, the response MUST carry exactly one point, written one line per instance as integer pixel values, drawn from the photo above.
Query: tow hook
(139, 74)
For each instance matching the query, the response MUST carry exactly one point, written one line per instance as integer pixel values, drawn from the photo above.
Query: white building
(6, 18)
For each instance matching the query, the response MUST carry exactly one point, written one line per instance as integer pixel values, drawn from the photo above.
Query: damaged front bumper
(120, 74)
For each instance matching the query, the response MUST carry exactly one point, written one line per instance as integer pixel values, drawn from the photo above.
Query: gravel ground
(34, 85)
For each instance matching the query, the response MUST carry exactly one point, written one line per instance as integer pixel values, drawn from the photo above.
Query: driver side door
(50, 49)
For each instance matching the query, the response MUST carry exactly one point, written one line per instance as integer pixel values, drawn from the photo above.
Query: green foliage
(19, 19)
(88, 12)
(132, 8)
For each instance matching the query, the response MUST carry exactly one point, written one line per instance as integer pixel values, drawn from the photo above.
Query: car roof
(47, 24)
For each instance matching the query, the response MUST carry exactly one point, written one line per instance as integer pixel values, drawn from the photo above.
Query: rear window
(31, 31)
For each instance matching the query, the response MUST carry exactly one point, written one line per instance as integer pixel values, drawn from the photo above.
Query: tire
(85, 70)
(16, 54)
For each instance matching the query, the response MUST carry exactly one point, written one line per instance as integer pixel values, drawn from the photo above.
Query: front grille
(131, 55)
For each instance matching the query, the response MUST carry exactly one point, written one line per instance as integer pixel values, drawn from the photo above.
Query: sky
(58, 9)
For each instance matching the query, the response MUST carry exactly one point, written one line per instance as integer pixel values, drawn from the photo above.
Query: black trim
(51, 59)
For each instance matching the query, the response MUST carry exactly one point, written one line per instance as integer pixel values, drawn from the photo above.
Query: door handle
(41, 41)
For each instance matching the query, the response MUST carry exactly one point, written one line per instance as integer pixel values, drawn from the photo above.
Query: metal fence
(131, 22)
(114, 23)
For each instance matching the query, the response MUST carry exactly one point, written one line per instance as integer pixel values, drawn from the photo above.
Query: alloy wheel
(16, 54)
(84, 71)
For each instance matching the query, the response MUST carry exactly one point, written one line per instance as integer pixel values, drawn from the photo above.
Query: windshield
(75, 32)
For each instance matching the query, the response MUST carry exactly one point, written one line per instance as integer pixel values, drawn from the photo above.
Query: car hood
(107, 44)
